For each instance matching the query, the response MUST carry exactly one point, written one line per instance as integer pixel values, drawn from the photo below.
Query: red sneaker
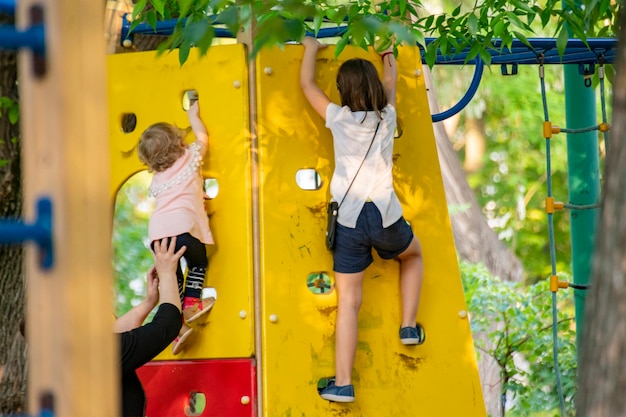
(179, 342)
(197, 308)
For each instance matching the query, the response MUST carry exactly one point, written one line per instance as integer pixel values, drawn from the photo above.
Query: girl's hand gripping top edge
(198, 127)
(315, 96)
(390, 75)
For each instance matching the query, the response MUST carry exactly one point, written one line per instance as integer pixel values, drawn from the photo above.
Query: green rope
(555, 350)
(581, 130)
(582, 206)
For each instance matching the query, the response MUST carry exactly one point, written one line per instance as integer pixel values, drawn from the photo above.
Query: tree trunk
(12, 301)
(475, 240)
(602, 379)
(474, 144)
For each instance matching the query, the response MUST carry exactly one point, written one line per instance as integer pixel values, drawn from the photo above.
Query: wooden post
(73, 365)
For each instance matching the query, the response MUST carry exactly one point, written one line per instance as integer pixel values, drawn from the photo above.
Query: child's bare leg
(349, 297)
(411, 272)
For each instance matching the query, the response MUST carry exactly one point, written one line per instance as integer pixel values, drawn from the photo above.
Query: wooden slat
(65, 157)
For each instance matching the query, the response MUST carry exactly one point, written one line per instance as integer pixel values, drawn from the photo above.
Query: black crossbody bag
(332, 208)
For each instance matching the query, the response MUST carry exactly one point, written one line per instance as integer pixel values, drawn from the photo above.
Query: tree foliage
(511, 185)
(131, 257)
(368, 23)
(521, 340)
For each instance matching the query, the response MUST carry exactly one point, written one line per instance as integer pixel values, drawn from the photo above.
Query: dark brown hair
(160, 146)
(359, 86)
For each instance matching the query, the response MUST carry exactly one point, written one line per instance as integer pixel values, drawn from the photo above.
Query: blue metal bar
(469, 94)
(576, 51)
(39, 232)
(7, 6)
(32, 38)
(165, 27)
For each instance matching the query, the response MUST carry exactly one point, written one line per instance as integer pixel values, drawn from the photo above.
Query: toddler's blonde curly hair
(161, 145)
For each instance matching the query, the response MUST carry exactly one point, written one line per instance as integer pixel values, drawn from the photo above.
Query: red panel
(224, 382)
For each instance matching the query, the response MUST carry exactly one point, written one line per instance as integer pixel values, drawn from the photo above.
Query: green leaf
(357, 30)
(230, 18)
(372, 24)
(522, 38)
(515, 20)
(317, 23)
(294, 29)
(4, 162)
(472, 24)
(561, 41)
(159, 6)
(151, 18)
(195, 31)
(341, 44)
(184, 6)
(520, 5)
(429, 21)
(419, 38)
(14, 114)
(183, 52)
(138, 9)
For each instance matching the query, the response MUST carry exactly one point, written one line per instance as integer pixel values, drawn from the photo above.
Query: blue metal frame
(7, 6)
(469, 94)
(164, 27)
(541, 50)
(576, 50)
(32, 38)
(40, 232)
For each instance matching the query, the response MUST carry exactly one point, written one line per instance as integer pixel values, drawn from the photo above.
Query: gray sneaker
(412, 335)
(342, 394)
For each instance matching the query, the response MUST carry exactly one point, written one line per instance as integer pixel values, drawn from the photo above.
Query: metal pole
(583, 181)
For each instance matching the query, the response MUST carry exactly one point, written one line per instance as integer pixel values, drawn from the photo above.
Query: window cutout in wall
(196, 405)
(211, 187)
(131, 249)
(308, 179)
(189, 97)
(129, 122)
(319, 283)
(399, 129)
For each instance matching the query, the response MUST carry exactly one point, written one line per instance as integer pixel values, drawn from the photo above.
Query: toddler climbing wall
(269, 364)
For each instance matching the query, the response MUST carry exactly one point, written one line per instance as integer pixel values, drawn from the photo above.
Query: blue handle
(7, 6)
(32, 38)
(39, 232)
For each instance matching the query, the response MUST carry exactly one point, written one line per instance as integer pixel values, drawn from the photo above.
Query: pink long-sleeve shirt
(179, 199)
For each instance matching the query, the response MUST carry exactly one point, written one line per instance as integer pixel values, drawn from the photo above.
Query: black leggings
(197, 262)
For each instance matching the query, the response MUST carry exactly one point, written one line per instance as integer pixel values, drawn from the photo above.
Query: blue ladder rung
(32, 38)
(7, 6)
(40, 232)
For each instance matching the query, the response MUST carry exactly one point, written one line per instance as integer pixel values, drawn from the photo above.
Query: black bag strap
(362, 162)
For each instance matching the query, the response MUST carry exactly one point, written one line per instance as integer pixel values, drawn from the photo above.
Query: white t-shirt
(351, 137)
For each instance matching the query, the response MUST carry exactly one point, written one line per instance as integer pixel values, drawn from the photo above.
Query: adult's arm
(137, 315)
(139, 346)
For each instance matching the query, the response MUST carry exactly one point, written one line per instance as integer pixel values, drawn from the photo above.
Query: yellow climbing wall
(438, 378)
(152, 87)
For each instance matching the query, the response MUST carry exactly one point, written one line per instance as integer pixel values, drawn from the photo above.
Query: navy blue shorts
(353, 247)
